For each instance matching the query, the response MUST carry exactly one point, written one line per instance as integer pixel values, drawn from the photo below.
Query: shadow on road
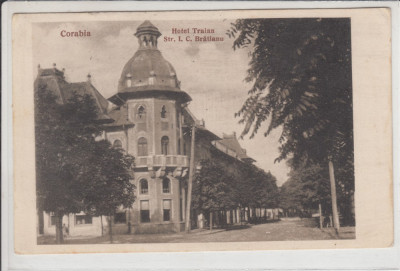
(238, 227)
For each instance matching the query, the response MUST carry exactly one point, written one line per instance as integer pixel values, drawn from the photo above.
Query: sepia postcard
(183, 131)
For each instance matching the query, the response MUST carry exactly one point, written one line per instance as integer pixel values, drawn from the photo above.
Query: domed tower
(147, 73)
(149, 96)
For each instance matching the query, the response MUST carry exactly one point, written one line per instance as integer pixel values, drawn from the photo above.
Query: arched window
(141, 113)
(142, 146)
(164, 145)
(117, 144)
(128, 80)
(163, 112)
(166, 185)
(144, 186)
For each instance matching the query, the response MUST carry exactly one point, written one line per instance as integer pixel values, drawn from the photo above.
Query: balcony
(179, 161)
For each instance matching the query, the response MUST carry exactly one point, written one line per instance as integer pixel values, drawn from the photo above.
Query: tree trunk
(59, 229)
(110, 228)
(333, 196)
(101, 221)
(129, 221)
(227, 215)
(320, 216)
(211, 220)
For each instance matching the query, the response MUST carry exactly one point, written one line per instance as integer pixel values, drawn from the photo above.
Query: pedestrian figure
(65, 230)
(326, 221)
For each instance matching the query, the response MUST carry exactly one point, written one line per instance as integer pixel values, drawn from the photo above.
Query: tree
(61, 132)
(243, 188)
(212, 188)
(259, 188)
(307, 187)
(107, 183)
(266, 190)
(300, 71)
(70, 163)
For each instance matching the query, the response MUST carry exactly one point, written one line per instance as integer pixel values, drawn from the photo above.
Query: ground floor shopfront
(142, 218)
(159, 207)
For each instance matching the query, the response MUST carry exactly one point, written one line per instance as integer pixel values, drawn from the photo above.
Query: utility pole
(333, 196)
(191, 171)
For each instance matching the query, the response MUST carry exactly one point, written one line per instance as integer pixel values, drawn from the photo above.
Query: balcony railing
(162, 161)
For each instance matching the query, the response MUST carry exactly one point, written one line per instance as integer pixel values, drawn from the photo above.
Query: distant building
(148, 117)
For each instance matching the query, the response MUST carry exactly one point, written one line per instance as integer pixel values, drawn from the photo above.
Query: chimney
(89, 78)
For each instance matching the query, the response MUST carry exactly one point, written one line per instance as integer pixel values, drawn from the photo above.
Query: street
(287, 229)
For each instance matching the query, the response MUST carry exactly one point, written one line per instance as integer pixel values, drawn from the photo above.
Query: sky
(212, 73)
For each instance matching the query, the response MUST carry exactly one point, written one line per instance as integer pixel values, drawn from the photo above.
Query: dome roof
(148, 71)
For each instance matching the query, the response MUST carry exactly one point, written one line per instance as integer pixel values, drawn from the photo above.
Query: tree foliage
(217, 188)
(212, 187)
(108, 180)
(307, 187)
(256, 188)
(300, 71)
(63, 132)
(74, 171)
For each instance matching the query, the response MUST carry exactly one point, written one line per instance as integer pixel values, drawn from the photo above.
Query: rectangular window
(167, 210)
(144, 211)
(120, 218)
(83, 219)
(166, 185)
